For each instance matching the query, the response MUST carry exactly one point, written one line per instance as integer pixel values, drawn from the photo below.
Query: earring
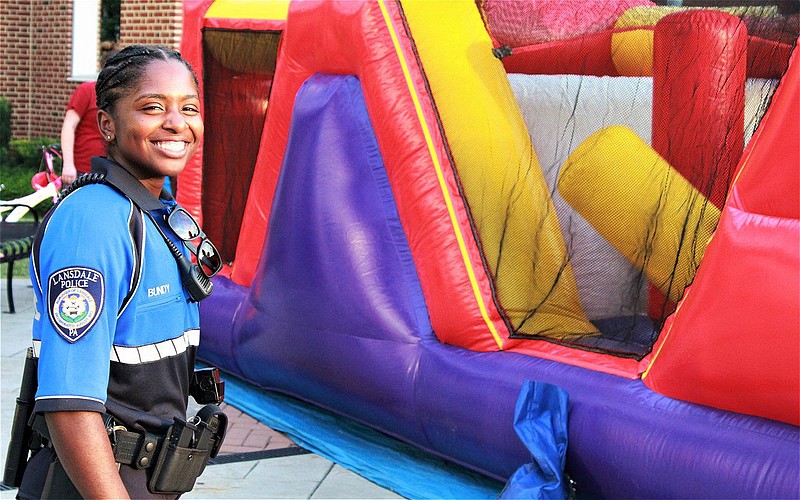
(108, 137)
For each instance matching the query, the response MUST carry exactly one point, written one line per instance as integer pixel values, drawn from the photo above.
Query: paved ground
(254, 462)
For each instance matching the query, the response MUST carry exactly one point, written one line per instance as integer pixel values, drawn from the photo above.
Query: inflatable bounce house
(425, 204)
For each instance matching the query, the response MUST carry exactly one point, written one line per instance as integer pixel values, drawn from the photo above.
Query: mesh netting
(517, 23)
(636, 168)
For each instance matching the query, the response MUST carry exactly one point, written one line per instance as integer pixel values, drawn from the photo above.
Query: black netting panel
(637, 167)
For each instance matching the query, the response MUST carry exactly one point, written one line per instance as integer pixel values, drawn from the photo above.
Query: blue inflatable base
(385, 461)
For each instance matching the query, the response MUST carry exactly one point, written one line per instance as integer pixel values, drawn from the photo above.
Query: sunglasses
(187, 229)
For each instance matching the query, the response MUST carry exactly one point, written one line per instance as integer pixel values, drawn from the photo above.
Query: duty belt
(177, 459)
(130, 448)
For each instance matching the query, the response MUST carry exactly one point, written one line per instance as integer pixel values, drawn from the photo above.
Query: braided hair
(122, 71)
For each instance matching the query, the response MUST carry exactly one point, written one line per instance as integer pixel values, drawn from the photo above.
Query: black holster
(186, 450)
(20, 443)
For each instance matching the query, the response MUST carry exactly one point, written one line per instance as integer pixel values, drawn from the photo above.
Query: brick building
(47, 47)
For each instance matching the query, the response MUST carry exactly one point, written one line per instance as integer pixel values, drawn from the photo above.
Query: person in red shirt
(80, 137)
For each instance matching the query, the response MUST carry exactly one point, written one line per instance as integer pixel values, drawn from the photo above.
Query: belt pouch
(58, 485)
(177, 469)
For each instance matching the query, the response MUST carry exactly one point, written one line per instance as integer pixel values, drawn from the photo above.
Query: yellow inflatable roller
(641, 205)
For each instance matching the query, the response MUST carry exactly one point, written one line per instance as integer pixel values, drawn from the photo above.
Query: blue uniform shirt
(96, 351)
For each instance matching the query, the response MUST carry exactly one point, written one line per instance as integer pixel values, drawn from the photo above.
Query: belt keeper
(135, 449)
(147, 451)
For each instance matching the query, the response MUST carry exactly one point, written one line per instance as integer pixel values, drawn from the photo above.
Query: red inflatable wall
(734, 342)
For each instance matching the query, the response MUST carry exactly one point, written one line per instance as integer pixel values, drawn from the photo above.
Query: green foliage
(27, 153)
(15, 182)
(5, 124)
(109, 20)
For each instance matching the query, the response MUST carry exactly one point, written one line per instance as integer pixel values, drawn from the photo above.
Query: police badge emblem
(75, 297)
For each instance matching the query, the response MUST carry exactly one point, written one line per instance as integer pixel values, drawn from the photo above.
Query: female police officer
(107, 281)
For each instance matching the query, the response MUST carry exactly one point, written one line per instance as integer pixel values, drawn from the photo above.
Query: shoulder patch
(75, 298)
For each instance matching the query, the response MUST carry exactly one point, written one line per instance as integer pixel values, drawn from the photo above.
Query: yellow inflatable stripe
(498, 171)
(249, 9)
(440, 176)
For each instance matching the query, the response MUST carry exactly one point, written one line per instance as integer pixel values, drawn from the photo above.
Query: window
(87, 17)
(85, 20)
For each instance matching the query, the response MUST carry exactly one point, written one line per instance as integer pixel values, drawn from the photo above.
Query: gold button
(144, 461)
(149, 447)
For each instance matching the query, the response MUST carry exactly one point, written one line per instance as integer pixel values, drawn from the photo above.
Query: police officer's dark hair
(122, 71)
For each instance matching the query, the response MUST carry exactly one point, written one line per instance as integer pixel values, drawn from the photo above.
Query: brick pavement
(245, 434)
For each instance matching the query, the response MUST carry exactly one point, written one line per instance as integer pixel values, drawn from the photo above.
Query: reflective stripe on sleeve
(146, 353)
(154, 352)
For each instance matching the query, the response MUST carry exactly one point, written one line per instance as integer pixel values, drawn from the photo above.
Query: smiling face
(156, 127)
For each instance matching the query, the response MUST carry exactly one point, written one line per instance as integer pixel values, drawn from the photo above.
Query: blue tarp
(540, 419)
(390, 463)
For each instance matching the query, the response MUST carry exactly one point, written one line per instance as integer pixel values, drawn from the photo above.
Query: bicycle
(46, 184)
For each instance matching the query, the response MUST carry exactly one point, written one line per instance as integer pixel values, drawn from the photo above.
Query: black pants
(45, 462)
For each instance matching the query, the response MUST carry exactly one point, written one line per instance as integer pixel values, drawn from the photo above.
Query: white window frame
(85, 26)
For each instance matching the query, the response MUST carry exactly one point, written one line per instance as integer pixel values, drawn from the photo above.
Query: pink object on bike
(42, 179)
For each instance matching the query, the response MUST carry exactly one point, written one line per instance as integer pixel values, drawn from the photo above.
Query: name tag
(158, 290)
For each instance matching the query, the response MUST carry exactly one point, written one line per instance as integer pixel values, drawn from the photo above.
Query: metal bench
(16, 241)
